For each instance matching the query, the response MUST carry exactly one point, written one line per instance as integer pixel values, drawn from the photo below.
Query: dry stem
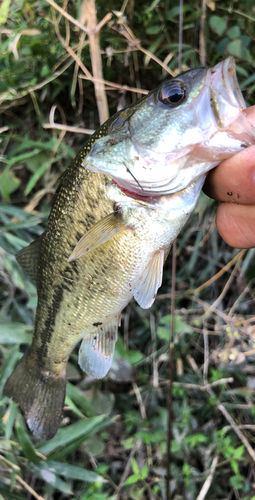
(221, 272)
(96, 60)
(116, 85)
(208, 480)
(228, 417)
(202, 34)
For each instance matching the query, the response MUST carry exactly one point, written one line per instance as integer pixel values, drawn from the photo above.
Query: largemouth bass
(118, 208)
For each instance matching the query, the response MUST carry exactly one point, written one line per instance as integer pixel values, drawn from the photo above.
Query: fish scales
(118, 208)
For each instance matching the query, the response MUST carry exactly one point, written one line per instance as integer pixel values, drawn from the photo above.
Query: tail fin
(40, 397)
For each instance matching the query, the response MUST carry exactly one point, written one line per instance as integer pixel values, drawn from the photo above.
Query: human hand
(233, 184)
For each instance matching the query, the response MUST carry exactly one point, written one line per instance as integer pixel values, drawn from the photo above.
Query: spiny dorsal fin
(145, 288)
(28, 258)
(100, 233)
(96, 350)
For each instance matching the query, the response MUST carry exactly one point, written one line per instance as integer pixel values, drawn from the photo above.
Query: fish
(117, 210)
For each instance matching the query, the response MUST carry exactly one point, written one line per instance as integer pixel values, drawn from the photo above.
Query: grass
(112, 442)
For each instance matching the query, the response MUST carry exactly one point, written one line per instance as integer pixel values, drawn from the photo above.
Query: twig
(220, 273)
(105, 20)
(139, 400)
(239, 299)
(212, 308)
(116, 85)
(81, 44)
(3, 129)
(127, 468)
(66, 15)
(206, 354)
(129, 35)
(28, 488)
(68, 128)
(202, 34)
(154, 351)
(143, 415)
(14, 467)
(202, 387)
(228, 417)
(224, 291)
(63, 126)
(208, 480)
(170, 387)
(96, 60)
(250, 427)
(71, 52)
(180, 36)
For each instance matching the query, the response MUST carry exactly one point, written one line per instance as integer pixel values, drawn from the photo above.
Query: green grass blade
(75, 431)
(74, 472)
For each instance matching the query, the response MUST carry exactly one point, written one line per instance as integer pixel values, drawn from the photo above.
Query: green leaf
(234, 465)
(70, 404)
(34, 163)
(8, 366)
(239, 452)
(78, 398)
(135, 467)
(180, 327)
(25, 442)
(36, 176)
(75, 431)
(6, 494)
(234, 48)
(22, 157)
(144, 471)
(153, 5)
(237, 481)
(234, 32)
(45, 473)
(15, 333)
(131, 479)
(95, 446)
(153, 30)
(8, 183)
(195, 439)
(10, 419)
(218, 24)
(4, 9)
(74, 472)
(248, 81)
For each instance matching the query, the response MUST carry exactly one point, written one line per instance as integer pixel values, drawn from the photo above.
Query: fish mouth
(189, 141)
(228, 103)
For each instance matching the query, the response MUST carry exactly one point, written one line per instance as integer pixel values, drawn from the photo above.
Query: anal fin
(28, 258)
(146, 286)
(96, 350)
(100, 233)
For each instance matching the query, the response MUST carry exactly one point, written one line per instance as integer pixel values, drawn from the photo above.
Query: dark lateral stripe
(43, 351)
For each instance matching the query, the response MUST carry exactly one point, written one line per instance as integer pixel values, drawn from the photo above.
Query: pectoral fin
(145, 288)
(96, 350)
(100, 233)
(28, 258)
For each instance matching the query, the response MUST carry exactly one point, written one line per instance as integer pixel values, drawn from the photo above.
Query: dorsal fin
(28, 258)
(145, 287)
(96, 350)
(100, 233)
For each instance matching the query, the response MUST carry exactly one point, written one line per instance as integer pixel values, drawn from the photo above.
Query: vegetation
(113, 440)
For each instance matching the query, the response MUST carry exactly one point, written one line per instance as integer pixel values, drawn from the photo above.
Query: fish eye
(173, 93)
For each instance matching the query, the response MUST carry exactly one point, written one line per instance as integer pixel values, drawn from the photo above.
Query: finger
(236, 224)
(234, 179)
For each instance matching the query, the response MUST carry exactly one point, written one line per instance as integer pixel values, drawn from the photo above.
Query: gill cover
(175, 134)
